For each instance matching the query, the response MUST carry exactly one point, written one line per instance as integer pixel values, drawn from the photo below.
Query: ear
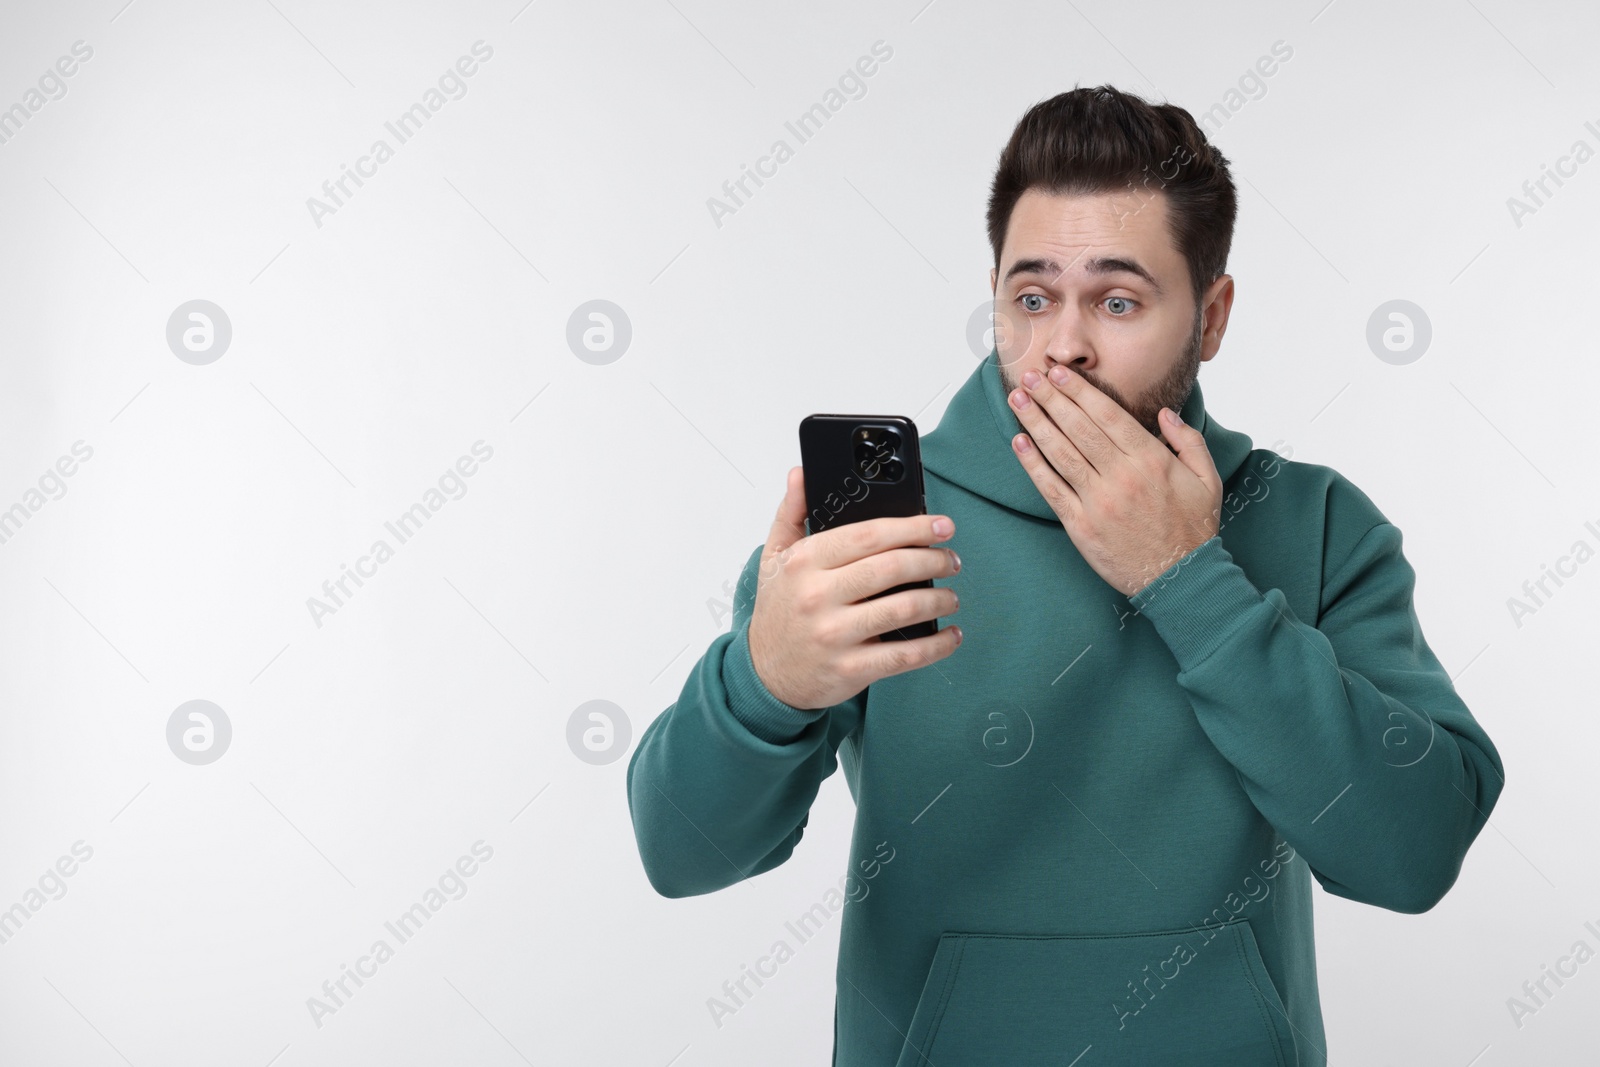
(991, 280)
(1218, 303)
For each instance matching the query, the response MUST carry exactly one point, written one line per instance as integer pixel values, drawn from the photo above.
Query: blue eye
(1120, 299)
(1030, 296)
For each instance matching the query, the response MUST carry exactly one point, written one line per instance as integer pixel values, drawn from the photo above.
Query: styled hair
(1099, 140)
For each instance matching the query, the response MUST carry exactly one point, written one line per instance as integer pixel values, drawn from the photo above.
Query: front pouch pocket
(1196, 996)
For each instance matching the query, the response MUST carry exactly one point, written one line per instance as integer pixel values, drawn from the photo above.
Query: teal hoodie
(1091, 830)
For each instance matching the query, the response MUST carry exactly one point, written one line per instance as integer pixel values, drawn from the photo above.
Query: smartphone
(860, 467)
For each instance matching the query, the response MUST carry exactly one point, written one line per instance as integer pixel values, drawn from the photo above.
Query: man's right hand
(813, 635)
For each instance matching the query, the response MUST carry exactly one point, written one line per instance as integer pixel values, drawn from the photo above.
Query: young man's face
(1070, 291)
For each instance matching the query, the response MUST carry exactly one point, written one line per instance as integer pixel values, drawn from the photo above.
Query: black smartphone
(860, 467)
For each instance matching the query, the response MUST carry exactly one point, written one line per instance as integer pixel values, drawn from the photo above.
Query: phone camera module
(876, 453)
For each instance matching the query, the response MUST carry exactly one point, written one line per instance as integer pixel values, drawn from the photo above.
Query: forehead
(1069, 229)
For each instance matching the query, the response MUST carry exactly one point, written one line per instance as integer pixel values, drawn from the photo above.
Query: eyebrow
(1098, 265)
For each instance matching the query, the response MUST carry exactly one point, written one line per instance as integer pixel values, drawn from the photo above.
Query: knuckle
(880, 617)
(904, 657)
(773, 568)
(809, 597)
(857, 537)
(859, 580)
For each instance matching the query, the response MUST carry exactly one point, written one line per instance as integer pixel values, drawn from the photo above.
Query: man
(1195, 679)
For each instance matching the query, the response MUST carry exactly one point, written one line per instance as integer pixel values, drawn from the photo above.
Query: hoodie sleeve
(1346, 732)
(722, 782)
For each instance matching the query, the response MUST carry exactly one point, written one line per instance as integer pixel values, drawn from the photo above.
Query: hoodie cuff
(753, 704)
(1198, 602)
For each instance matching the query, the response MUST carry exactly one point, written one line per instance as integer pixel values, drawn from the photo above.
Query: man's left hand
(1131, 506)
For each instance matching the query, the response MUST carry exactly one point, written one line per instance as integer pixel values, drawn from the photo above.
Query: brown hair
(1101, 139)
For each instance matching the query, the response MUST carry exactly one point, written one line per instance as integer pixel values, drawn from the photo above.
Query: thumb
(1190, 445)
(789, 525)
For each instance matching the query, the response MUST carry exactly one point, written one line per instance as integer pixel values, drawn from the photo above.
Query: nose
(1069, 342)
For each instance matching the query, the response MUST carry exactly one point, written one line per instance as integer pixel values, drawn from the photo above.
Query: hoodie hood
(971, 446)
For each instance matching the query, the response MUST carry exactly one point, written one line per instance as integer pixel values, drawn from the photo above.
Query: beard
(1170, 392)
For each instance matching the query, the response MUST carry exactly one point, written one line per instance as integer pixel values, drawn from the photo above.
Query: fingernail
(957, 558)
(1058, 374)
(1030, 378)
(943, 527)
(1021, 399)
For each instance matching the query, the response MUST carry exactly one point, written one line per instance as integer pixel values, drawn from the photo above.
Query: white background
(586, 557)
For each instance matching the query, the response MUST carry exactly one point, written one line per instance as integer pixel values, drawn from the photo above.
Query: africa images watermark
(804, 127)
(804, 929)
(1183, 952)
(403, 528)
(1251, 82)
(51, 482)
(452, 885)
(1249, 489)
(52, 85)
(402, 128)
(1580, 953)
(1579, 154)
(1566, 566)
(1216, 115)
(52, 886)
(852, 490)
